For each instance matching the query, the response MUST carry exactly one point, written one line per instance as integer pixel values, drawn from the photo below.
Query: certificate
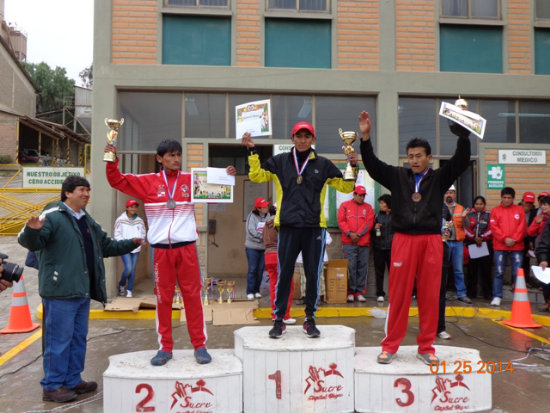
(254, 118)
(542, 275)
(202, 191)
(478, 252)
(219, 176)
(470, 120)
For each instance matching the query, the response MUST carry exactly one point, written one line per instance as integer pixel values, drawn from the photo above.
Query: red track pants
(420, 256)
(181, 263)
(272, 269)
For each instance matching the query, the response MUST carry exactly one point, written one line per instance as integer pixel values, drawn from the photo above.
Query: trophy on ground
(230, 289)
(207, 286)
(348, 137)
(112, 135)
(221, 285)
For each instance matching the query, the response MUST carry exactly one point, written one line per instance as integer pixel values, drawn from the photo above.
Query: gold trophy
(348, 137)
(221, 284)
(112, 135)
(447, 226)
(230, 287)
(207, 284)
(461, 103)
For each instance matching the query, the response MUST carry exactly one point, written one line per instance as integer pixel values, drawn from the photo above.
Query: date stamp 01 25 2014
(467, 367)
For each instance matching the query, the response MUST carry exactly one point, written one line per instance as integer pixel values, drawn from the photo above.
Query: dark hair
(386, 198)
(508, 191)
(70, 183)
(419, 143)
(479, 197)
(168, 145)
(545, 200)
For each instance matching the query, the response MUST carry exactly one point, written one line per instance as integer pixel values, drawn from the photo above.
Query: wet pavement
(527, 388)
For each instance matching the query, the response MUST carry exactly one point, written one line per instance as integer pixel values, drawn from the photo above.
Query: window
(299, 5)
(534, 121)
(543, 9)
(417, 119)
(204, 115)
(471, 9)
(501, 120)
(196, 40)
(542, 51)
(298, 43)
(195, 3)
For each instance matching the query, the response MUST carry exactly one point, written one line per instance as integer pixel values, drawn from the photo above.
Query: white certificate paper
(478, 252)
(470, 120)
(219, 176)
(254, 118)
(542, 275)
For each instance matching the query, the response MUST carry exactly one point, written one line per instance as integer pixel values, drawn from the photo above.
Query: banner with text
(48, 177)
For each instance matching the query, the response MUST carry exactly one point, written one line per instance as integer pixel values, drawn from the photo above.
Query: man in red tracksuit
(166, 197)
(417, 250)
(355, 219)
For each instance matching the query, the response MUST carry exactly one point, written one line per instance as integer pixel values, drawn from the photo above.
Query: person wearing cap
(355, 218)
(129, 225)
(454, 235)
(255, 248)
(300, 177)
(509, 227)
(417, 251)
(528, 204)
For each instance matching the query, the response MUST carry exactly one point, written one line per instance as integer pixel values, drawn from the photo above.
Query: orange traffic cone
(20, 314)
(521, 308)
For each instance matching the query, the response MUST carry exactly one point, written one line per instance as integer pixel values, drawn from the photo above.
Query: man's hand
(478, 241)
(509, 242)
(353, 158)
(35, 222)
(465, 212)
(5, 284)
(110, 148)
(354, 237)
(231, 170)
(543, 264)
(139, 241)
(364, 125)
(538, 219)
(247, 140)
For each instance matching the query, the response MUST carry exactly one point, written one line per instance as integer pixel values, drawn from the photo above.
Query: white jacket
(129, 228)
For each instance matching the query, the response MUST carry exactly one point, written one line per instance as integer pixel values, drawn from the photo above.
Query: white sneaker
(496, 301)
(129, 294)
(380, 299)
(351, 298)
(250, 296)
(361, 298)
(444, 335)
(290, 321)
(258, 295)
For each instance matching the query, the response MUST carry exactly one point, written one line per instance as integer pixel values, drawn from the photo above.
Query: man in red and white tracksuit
(172, 233)
(355, 219)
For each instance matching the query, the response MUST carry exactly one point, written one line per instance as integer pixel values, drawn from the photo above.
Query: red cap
(528, 197)
(543, 194)
(260, 203)
(131, 202)
(303, 125)
(360, 190)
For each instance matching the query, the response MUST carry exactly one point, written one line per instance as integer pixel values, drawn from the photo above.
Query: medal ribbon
(298, 170)
(170, 193)
(418, 180)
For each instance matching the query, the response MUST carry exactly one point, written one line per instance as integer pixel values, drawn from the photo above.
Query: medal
(299, 171)
(416, 197)
(299, 179)
(171, 204)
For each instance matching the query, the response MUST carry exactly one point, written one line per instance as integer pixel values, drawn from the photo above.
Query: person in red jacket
(509, 228)
(355, 219)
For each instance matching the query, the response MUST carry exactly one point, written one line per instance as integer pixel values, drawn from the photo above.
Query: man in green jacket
(71, 249)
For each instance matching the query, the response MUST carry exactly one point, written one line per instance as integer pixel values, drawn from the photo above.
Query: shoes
(59, 395)
(380, 299)
(258, 295)
(85, 387)
(278, 329)
(129, 294)
(444, 335)
(290, 321)
(250, 296)
(361, 299)
(202, 356)
(121, 291)
(310, 329)
(351, 298)
(427, 358)
(465, 299)
(496, 301)
(385, 357)
(161, 358)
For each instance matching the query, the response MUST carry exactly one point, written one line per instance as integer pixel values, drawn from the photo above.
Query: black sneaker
(310, 329)
(278, 329)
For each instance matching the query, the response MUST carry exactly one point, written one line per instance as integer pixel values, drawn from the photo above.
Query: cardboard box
(337, 281)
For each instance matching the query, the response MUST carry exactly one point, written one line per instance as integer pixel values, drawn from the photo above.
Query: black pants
(480, 269)
(382, 260)
(311, 241)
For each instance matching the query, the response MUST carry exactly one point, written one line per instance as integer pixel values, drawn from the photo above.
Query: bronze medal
(416, 197)
(299, 179)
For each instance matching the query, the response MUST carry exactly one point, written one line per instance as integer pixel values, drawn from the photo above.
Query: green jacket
(63, 272)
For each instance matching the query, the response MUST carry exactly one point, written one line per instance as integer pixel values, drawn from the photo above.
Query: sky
(59, 32)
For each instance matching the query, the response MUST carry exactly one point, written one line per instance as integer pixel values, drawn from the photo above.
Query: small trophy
(461, 103)
(207, 285)
(446, 227)
(348, 137)
(112, 135)
(221, 285)
(230, 287)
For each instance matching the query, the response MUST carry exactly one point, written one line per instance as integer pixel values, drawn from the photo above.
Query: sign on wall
(495, 176)
(48, 177)
(522, 156)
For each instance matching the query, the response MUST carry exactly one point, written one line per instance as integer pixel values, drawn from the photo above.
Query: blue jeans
(456, 256)
(255, 270)
(130, 261)
(516, 259)
(65, 328)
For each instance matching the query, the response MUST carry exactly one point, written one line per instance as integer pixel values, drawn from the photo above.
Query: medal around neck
(416, 197)
(171, 204)
(299, 180)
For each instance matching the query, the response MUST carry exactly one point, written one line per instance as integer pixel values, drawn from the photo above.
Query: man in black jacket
(417, 250)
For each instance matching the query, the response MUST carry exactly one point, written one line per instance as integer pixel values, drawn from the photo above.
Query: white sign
(48, 177)
(522, 156)
(284, 147)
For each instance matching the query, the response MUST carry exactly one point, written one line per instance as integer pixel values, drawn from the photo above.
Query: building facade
(177, 68)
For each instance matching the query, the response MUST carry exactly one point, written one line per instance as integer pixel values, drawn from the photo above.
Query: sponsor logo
(450, 395)
(323, 384)
(192, 399)
(161, 191)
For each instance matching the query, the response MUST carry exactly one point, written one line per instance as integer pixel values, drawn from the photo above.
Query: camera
(11, 272)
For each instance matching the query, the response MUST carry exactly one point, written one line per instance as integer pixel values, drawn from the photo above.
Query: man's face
(545, 208)
(170, 161)
(450, 196)
(527, 206)
(507, 200)
(78, 199)
(132, 210)
(359, 198)
(302, 140)
(418, 160)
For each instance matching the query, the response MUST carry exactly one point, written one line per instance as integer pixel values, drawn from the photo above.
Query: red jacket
(508, 222)
(354, 217)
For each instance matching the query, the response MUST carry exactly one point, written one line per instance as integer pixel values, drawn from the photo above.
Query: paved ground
(525, 389)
